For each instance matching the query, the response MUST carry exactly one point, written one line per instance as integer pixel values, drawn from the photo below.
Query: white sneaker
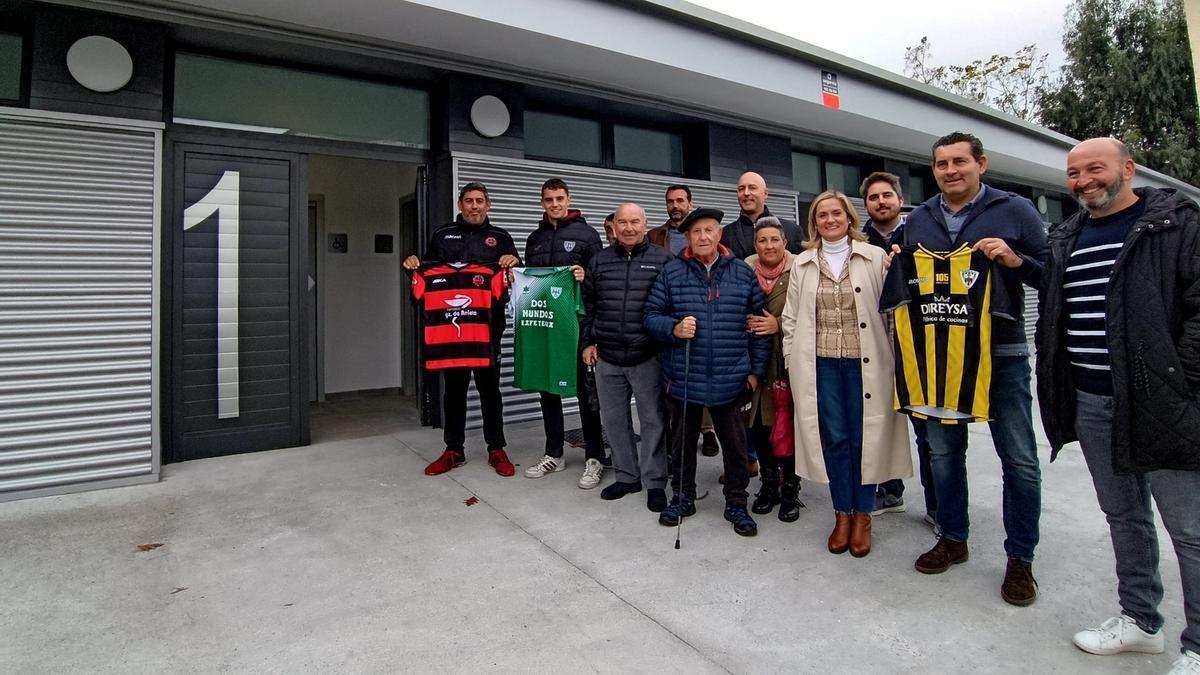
(1120, 634)
(546, 465)
(592, 471)
(1188, 664)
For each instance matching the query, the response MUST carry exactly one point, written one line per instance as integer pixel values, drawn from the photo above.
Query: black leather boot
(789, 500)
(768, 494)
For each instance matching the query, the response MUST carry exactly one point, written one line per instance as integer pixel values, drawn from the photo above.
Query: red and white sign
(829, 90)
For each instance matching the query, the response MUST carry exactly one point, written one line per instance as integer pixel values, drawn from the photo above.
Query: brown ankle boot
(839, 539)
(860, 534)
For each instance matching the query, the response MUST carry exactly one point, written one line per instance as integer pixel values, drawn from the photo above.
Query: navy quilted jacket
(723, 354)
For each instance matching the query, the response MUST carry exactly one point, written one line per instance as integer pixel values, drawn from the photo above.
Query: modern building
(204, 205)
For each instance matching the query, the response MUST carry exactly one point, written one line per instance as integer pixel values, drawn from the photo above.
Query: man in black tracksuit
(564, 238)
(472, 238)
(615, 289)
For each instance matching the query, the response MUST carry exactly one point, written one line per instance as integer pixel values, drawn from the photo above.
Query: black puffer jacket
(571, 242)
(1153, 317)
(614, 292)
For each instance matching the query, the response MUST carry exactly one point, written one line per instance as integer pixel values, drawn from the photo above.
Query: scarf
(769, 276)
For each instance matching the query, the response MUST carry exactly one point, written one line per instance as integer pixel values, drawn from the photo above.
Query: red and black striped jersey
(457, 301)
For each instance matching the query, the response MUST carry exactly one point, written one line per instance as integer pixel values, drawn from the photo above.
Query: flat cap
(702, 212)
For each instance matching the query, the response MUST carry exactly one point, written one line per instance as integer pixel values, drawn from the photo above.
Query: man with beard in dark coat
(1118, 365)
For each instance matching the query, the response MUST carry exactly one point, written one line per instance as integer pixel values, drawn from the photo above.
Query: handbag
(783, 434)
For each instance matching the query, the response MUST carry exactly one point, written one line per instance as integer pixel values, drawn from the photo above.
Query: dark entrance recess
(238, 357)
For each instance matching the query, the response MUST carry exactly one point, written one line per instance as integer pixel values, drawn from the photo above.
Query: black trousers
(552, 420)
(766, 453)
(729, 423)
(454, 405)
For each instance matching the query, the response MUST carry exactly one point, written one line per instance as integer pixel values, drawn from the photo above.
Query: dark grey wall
(732, 152)
(51, 86)
(457, 134)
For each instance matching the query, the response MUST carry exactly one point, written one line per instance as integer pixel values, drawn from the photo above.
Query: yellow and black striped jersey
(943, 304)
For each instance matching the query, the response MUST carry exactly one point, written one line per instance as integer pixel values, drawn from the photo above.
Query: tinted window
(282, 100)
(571, 139)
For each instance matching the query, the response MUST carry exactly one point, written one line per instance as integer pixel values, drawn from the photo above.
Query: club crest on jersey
(490, 241)
(568, 246)
(477, 280)
(556, 292)
(969, 277)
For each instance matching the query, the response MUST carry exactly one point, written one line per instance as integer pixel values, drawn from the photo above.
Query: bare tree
(1010, 84)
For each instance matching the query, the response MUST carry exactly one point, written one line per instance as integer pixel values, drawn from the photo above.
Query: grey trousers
(1125, 501)
(645, 464)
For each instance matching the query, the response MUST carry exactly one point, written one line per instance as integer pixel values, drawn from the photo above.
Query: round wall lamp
(99, 63)
(489, 116)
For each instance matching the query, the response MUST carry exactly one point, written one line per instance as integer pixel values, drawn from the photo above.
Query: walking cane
(687, 366)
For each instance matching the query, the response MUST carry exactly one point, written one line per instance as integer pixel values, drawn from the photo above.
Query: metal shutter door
(78, 209)
(515, 185)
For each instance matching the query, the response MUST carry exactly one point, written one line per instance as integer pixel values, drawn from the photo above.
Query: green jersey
(546, 304)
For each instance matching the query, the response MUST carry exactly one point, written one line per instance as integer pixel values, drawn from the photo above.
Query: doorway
(362, 222)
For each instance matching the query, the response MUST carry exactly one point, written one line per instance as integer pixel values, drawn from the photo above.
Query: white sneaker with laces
(592, 471)
(545, 465)
(1119, 634)
(1188, 664)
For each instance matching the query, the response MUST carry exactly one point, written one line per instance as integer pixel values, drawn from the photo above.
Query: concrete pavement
(343, 557)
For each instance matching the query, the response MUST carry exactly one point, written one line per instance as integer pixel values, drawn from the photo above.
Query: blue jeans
(1125, 501)
(1012, 434)
(840, 417)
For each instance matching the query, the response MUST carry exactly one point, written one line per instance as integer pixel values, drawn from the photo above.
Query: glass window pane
(647, 149)
(806, 173)
(10, 66)
(286, 101)
(915, 194)
(561, 137)
(845, 178)
(1054, 210)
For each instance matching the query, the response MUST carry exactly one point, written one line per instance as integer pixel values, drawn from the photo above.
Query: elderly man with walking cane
(697, 309)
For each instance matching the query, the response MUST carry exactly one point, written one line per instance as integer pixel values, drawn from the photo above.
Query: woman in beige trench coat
(838, 351)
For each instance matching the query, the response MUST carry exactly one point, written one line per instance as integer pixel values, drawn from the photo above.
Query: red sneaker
(449, 460)
(499, 460)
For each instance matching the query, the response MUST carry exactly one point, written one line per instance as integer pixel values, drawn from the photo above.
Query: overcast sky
(877, 31)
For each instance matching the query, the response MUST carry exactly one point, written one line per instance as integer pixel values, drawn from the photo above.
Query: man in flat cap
(697, 308)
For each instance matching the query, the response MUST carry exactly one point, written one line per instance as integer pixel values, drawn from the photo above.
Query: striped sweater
(1085, 283)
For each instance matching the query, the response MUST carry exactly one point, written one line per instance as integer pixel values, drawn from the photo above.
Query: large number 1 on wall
(222, 200)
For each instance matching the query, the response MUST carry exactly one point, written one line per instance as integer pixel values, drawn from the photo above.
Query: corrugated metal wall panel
(77, 215)
(515, 189)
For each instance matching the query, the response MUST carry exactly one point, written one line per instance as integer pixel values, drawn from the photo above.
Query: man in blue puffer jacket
(700, 303)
